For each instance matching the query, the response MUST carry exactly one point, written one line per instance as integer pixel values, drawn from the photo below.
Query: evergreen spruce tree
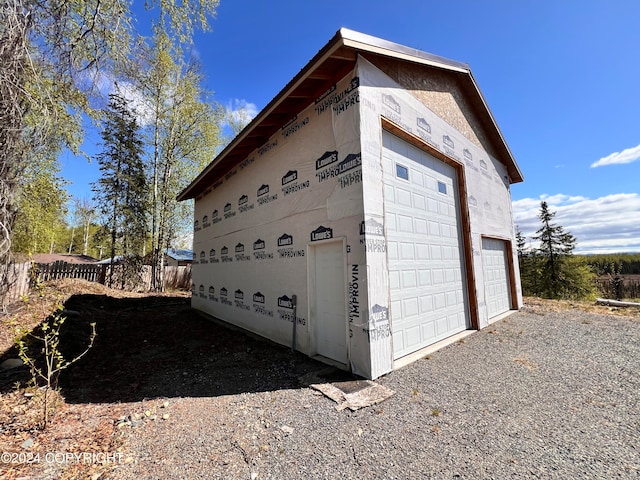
(561, 275)
(121, 190)
(530, 263)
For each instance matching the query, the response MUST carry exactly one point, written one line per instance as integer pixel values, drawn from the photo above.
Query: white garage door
(496, 276)
(426, 265)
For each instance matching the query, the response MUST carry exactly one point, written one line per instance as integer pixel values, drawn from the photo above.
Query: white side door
(328, 302)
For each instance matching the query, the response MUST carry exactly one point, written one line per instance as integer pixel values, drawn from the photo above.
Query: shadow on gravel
(156, 347)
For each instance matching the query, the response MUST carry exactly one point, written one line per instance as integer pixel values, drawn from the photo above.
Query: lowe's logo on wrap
(224, 254)
(201, 291)
(290, 176)
(371, 227)
(327, 159)
(449, 146)
(223, 297)
(390, 102)
(263, 190)
(378, 324)
(215, 217)
(369, 230)
(258, 250)
(258, 305)
(345, 98)
(212, 256)
(290, 185)
(244, 205)
(321, 233)
(239, 300)
(446, 139)
(378, 314)
(263, 195)
(351, 161)
(285, 302)
(212, 294)
(228, 212)
(424, 125)
(240, 255)
(285, 311)
(468, 158)
(285, 240)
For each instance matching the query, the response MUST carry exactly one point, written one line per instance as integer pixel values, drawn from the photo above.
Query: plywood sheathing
(442, 94)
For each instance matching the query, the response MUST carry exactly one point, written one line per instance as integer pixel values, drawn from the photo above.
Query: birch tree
(53, 54)
(182, 136)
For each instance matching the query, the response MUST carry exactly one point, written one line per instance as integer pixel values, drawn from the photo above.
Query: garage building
(365, 214)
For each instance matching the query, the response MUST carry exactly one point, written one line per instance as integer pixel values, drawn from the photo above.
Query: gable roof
(330, 64)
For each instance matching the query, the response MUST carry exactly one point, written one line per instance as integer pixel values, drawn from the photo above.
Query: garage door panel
(406, 251)
(422, 252)
(428, 302)
(409, 279)
(392, 250)
(419, 201)
(410, 307)
(403, 197)
(405, 223)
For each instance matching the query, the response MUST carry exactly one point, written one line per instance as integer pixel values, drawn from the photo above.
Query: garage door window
(442, 187)
(402, 172)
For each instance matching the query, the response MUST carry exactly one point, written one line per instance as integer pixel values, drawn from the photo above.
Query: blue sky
(561, 79)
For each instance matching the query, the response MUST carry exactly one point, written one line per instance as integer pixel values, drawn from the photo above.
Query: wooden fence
(17, 280)
(60, 269)
(19, 277)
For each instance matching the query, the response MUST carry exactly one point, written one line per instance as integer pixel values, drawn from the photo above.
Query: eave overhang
(335, 60)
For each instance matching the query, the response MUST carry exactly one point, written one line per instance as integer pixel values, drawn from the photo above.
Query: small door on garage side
(328, 302)
(497, 284)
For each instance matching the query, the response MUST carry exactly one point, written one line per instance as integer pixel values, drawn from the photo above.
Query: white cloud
(602, 225)
(240, 111)
(137, 102)
(626, 156)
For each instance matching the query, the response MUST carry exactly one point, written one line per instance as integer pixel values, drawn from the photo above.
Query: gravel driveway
(551, 395)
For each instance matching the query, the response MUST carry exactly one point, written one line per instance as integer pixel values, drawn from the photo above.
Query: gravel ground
(551, 395)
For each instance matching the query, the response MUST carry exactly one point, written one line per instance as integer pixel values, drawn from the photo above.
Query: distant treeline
(617, 263)
(612, 274)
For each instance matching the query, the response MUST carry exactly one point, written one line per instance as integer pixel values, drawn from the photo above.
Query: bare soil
(149, 348)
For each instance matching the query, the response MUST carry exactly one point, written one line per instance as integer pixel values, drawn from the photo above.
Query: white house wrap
(374, 190)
